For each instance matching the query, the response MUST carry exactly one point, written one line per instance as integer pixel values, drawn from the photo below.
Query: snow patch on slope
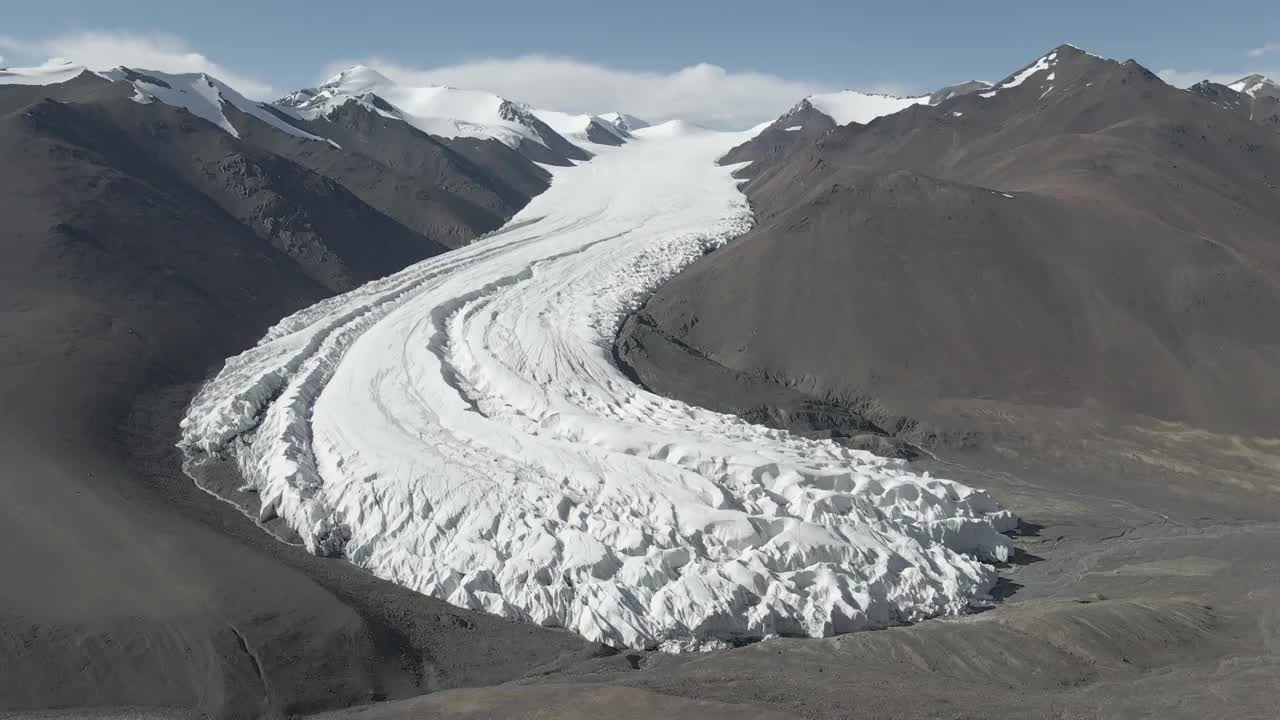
(198, 93)
(1045, 63)
(201, 95)
(460, 428)
(1256, 85)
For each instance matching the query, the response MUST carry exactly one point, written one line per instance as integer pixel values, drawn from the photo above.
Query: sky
(726, 64)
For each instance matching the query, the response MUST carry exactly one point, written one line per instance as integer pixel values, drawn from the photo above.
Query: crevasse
(459, 428)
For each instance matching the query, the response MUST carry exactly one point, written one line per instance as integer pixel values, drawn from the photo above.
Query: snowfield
(460, 428)
(850, 106)
(436, 110)
(202, 96)
(54, 70)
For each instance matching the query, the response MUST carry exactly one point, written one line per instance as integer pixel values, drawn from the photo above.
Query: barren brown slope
(1263, 109)
(142, 246)
(1014, 288)
(449, 189)
(800, 126)
(1109, 243)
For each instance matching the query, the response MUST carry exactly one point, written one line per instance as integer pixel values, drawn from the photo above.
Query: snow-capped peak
(1256, 85)
(1045, 64)
(434, 109)
(357, 79)
(624, 122)
(52, 71)
(581, 129)
(850, 106)
(198, 93)
(201, 95)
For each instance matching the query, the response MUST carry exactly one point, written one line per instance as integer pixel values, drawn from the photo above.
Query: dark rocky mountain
(804, 123)
(142, 246)
(1030, 263)
(1262, 107)
(624, 123)
(1257, 86)
(447, 190)
(601, 135)
(365, 87)
(331, 235)
(1064, 291)
(557, 150)
(1082, 236)
(800, 126)
(84, 87)
(452, 190)
(938, 96)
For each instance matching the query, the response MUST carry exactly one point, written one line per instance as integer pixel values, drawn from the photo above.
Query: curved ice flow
(459, 428)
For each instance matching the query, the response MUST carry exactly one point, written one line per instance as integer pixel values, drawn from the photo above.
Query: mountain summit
(1091, 175)
(437, 110)
(1257, 86)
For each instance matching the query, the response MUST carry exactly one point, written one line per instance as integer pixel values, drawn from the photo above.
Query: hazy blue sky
(903, 45)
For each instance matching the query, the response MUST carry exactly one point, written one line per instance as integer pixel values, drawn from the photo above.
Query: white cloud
(1269, 48)
(101, 50)
(704, 93)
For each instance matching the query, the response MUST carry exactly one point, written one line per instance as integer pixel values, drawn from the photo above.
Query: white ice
(575, 127)
(56, 70)
(436, 110)
(461, 429)
(849, 106)
(202, 96)
(1252, 85)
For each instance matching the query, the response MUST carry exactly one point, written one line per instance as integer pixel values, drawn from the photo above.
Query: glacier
(460, 428)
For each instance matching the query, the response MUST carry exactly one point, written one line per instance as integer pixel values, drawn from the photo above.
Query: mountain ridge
(1028, 144)
(1066, 291)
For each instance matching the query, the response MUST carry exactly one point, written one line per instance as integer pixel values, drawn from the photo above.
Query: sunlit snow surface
(201, 95)
(1255, 85)
(1048, 62)
(849, 106)
(436, 110)
(56, 70)
(576, 128)
(459, 428)
(198, 93)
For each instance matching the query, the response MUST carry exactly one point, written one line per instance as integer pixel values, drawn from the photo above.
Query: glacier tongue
(459, 428)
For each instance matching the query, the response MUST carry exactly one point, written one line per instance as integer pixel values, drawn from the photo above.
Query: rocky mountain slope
(440, 111)
(1080, 235)
(1072, 274)
(155, 225)
(813, 116)
(1254, 97)
(1063, 289)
